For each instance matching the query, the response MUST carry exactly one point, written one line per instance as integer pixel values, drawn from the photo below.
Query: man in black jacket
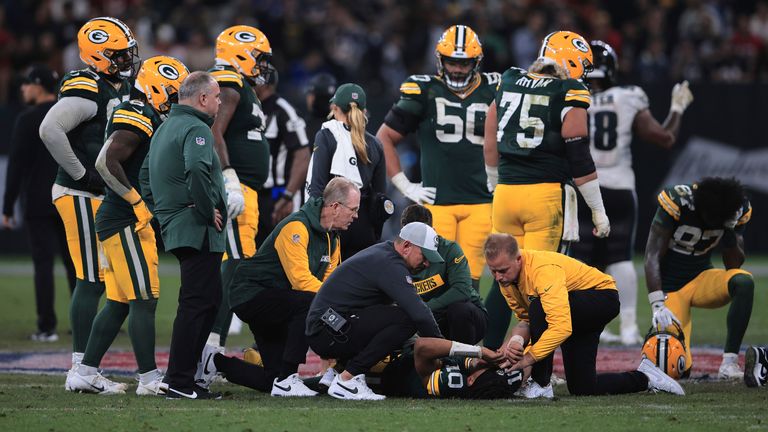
(31, 171)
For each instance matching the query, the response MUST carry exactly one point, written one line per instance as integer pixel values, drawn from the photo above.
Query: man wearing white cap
(369, 307)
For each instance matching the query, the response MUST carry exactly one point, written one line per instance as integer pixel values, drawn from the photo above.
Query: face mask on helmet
(457, 73)
(459, 54)
(262, 69)
(124, 62)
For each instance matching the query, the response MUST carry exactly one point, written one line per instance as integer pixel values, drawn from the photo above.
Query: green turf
(39, 403)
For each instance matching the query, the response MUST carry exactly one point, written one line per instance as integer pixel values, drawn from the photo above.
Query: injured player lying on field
(431, 367)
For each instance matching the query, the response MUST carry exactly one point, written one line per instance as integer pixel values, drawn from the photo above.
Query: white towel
(570, 215)
(344, 162)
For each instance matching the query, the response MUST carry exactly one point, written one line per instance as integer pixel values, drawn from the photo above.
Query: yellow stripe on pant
(241, 232)
(469, 226)
(78, 214)
(532, 213)
(132, 265)
(708, 290)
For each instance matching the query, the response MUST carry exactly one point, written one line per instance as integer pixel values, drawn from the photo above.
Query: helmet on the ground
(666, 349)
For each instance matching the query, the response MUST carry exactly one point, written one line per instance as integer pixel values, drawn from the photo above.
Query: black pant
(360, 234)
(199, 298)
(462, 322)
(266, 207)
(46, 237)
(277, 318)
(372, 334)
(591, 310)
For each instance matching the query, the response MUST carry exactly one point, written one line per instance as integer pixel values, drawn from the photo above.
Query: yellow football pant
(78, 214)
(132, 260)
(241, 231)
(469, 226)
(532, 213)
(708, 290)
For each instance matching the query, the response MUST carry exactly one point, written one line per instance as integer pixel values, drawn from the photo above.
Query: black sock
(741, 288)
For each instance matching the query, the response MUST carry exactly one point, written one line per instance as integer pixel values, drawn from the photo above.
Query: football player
(690, 221)
(447, 112)
(617, 114)
(242, 62)
(73, 132)
(128, 240)
(536, 145)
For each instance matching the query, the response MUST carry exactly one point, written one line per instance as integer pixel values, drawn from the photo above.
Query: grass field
(38, 402)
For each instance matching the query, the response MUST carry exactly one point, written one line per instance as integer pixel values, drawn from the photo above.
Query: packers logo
(98, 36)
(580, 44)
(168, 71)
(244, 36)
(353, 161)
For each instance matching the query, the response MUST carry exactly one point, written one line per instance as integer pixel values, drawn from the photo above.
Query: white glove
(235, 199)
(492, 172)
(681, 97)
(414, 191)
(662, 316)
(602, 225)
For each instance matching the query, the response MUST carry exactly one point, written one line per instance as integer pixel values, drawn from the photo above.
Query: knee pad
(741, 285)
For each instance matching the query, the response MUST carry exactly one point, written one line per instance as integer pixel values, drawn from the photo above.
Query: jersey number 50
(510, 102)
(475, 121)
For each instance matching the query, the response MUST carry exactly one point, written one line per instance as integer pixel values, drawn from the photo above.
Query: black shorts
(621, 208)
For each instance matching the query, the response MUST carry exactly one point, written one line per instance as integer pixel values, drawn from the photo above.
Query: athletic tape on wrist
(465, 350)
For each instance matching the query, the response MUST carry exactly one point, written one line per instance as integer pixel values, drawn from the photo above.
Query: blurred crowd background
(380, 42)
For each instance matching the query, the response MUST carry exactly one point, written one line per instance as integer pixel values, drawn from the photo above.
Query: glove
(414, 191)
(493, 177)
(602, 224)
(662, 316)
(681, 97)
(235, 199)
(143, 215)
(93, 182)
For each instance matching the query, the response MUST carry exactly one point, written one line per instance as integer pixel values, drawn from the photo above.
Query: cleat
(195, 393)
(729, 368)
(95, 383)
(154, 385)
(534, 391)
(755, 366)
(44, 336)
(354, 389)
(328, 376)
(658, 380)
(292, 386)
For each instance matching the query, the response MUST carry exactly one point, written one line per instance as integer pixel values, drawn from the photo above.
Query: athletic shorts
(131, 270)
(78, 214)
(469, 226)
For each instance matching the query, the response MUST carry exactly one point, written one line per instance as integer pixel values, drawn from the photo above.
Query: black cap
(43, 76)
(322, 84)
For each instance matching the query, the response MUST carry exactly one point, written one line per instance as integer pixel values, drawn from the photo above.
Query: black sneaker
(755, 367)
(196, 393)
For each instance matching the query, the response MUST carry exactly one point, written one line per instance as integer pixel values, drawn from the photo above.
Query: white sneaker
(94, 384)
(658, 380)
(354, 389)
(206, 369)
(609, 337)
(532, 390)
(631, 336)
(67, 385)
(235, 326)
(292, 386)
(556, 380)
(153, 388)
(729, 368)
(328, 377)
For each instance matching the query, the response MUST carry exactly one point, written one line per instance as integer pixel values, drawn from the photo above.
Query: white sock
(730, 357)
(214, 339)
(626, 281)
(77, 358)
(86, 370)
(148, 377)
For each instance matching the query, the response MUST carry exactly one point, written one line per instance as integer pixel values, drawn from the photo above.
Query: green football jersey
(692, 242)
(450, 130)
(246, 144)
(530, 108)
(442, 284)
(141, 119)
(399, 377)
(88, 137)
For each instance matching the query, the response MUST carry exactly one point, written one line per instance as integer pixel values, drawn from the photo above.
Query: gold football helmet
(108, 46)
(159, 79)
(246, 49)
(569, 50)
(666, 349)
(459, 44)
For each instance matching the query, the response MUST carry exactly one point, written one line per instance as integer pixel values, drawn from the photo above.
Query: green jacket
(440, 285)
(298, 254)
(186, 182)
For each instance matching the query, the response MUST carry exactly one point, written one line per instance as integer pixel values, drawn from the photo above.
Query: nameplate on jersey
(429, 284)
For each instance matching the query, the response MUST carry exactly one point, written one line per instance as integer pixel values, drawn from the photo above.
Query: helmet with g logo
(569, 50)
(666, 349)
(107, 45)
(159, 79)
(246, 49)
(459, 43)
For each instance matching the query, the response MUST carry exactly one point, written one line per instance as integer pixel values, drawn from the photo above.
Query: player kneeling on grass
(272, 291)
(691, 220)
(560, 301)
(122, 224)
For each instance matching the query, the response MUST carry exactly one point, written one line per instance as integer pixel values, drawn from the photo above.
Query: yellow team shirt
(550, 276)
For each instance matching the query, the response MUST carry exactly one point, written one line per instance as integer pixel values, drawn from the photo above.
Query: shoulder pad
(86, 73)
(576, 91)
(491, 78)
(673, 199)
(413, 85)
(226, 76)
(82, 81)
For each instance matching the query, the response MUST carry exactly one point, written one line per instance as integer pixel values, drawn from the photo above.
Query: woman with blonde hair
(343, 148)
